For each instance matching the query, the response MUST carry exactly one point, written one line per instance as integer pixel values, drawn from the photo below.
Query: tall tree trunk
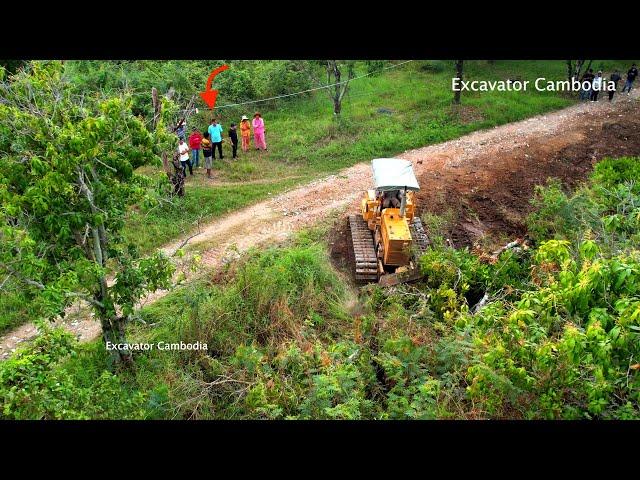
(113, 327)
(339, 89)
(578, 68)
(157, 106)
(337, 106)
(569, 70)
(335, 70)
(174, 174)
(459, 69)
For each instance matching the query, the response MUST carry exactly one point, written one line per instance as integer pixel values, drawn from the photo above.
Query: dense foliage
(245, 80)
(34, 385)
(67, 177)
(556, 336)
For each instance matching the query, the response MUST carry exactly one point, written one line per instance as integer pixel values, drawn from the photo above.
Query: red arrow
(209, 96)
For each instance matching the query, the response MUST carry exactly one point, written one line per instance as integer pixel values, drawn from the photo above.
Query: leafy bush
(566, 347)
(557, 335)
(34, 386)
(374, 66)
(611, 172)
(578, 329)
(279, 77)
(436, 66)
(606, 209)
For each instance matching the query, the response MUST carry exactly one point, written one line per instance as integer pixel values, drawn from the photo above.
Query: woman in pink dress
(258, 131)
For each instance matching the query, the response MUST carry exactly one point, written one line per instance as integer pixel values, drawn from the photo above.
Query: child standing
(233, 135)
(245, 132)
(258, 131)
(207, 152)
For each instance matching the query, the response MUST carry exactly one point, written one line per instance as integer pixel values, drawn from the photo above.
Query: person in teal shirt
(215, 131)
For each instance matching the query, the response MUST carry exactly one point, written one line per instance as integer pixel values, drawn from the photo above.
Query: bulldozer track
(363, 249)
(420, 239)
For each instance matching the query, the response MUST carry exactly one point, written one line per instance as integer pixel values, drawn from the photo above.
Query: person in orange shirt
(245, 133)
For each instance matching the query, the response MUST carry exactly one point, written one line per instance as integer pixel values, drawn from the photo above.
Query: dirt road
(486, 178)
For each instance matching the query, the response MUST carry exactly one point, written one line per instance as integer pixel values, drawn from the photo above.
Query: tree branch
(187, 240)
(86, 297)
(21, 277)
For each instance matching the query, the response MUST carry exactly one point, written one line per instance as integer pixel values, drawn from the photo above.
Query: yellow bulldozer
(387, 237)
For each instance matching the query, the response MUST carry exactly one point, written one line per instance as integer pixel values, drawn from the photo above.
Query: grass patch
(12, 311)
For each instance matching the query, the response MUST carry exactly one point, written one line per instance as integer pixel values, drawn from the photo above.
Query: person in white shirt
(596, 85)
(185, 159)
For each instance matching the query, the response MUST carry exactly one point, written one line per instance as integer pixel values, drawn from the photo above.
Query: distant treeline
(245, 80)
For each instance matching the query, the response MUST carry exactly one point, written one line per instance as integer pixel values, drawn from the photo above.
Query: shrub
(34, 385)
(610, 172)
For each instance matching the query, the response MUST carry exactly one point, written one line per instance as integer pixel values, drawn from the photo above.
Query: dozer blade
(400, 276)
(410, 272)
(364, 249)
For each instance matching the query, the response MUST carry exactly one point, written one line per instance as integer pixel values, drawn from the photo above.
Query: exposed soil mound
(490, 192)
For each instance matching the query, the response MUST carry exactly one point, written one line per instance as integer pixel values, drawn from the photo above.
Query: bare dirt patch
(489, 185)
(466, 113)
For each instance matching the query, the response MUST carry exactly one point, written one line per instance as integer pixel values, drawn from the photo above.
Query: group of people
(596, 86)
(211, 141)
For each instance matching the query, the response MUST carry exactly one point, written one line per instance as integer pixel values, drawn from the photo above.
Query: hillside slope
(476, 175)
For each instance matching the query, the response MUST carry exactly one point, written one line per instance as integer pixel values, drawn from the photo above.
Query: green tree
(339, 86)
(67, 177)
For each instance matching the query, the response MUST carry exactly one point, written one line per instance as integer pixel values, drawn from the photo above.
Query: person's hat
(244, 117)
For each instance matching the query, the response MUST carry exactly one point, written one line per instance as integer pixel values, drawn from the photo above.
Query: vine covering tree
(67, 177)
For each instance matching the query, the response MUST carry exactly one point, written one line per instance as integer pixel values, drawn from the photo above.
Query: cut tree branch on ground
(483, 301)
(508, 246)
(185, 241)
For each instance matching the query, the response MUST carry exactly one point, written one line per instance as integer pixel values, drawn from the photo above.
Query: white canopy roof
(393, 174)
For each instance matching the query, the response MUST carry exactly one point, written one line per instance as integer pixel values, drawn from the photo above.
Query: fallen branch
(105, 165)
(493, 257)
(21, 277)
(483, 301)
(184, 242)
(508, 246)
